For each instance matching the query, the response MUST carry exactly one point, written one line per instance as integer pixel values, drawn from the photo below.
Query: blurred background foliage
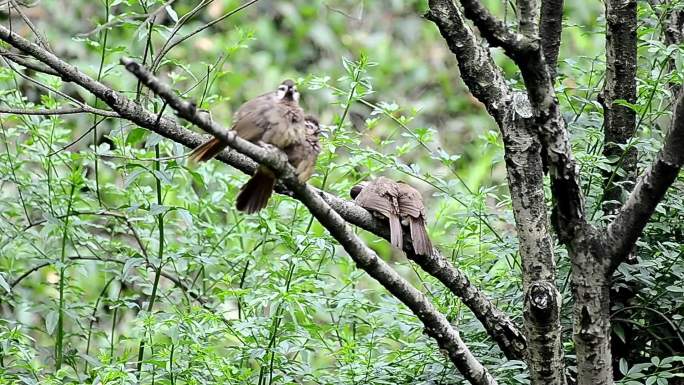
(153, 258)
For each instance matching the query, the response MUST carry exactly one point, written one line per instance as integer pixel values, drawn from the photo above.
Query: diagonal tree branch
(631, 219)
(436, 324)
(478, 70)
(494, 30)
(169, 128)
(502, 329)
(85, 109)
(19, 59)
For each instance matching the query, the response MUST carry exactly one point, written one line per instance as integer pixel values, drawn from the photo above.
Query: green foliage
(112, 248)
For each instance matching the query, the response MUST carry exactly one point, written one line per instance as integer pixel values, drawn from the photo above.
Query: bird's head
(312, 125)
(288, 91)
(356, 190)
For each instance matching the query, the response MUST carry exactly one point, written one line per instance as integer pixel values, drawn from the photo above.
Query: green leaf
(130, 178)
(172, 14)
(623, 366)
(51, 320)
(4, 284)
(135, 135)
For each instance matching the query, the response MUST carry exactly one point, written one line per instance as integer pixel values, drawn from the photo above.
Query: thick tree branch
(542, 300)
(548, 120)
(478, 70)
(436, 324)
(494, 30)
(551, 26)
(620, 84)
(630, 221)
(528, 14)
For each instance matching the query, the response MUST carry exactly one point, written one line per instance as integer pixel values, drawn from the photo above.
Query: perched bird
(401, 204)
(254, 195)
(302, 155)
(275, 119)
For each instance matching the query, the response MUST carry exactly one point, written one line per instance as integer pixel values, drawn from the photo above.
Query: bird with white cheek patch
(275, 119)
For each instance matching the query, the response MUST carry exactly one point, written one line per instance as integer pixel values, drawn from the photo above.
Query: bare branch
(630, 221)
(620, 84)
(528, 11)
(60, 111)
(478, 70)
(436, 324)
(551, 26)
(22, 61)
(494, 30)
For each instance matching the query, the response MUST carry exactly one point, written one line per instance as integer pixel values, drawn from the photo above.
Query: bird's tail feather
(419, 237)
(396, 233)
(207, 150)
(254, 195)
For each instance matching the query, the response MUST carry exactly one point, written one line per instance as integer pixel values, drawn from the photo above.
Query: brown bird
(302, 155)
(275, 119)
(401, 204)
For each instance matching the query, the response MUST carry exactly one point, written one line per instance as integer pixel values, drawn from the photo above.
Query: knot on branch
(542, 300)
(522, 106)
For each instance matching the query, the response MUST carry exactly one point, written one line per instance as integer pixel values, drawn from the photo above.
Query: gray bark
(591, 316)
(551, 26)
(514, 116)
(620, 84)
(542, 300)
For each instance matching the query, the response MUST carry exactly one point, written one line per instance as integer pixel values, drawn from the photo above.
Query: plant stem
(59, 346)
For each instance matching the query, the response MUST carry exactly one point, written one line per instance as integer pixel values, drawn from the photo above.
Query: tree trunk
(591, 313)
(542, 302)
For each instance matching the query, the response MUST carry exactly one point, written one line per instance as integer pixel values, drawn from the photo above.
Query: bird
(401, 204)
(302, 155)
(274, 119)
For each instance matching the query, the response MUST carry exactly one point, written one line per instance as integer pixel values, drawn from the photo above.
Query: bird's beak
(289, 94)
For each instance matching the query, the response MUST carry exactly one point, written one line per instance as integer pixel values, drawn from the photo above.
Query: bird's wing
(410, 202)
(370, 200)
(254, 117)
(381, 196)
